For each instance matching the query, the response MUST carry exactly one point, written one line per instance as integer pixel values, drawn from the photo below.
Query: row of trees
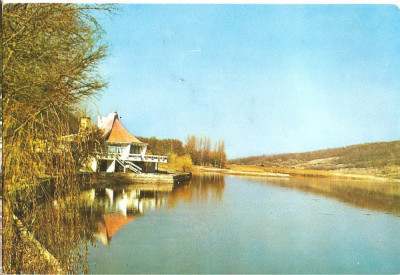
(199, 149)
(203, 153)
(163, 146)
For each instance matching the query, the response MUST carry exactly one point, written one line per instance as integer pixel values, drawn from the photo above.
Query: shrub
(180, 163)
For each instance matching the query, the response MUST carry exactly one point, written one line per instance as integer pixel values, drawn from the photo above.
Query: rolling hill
(380, 158)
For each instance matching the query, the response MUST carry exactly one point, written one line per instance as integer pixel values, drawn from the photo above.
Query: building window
(135, 149)
(115, 149)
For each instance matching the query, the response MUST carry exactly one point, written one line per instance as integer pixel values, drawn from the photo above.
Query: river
(229, 224)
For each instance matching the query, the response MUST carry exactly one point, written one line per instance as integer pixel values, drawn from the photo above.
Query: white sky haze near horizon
(267, 79)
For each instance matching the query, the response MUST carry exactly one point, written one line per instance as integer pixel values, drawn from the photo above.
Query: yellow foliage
(180, 163)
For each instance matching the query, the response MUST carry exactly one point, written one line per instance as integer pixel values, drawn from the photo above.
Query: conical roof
(114, 131)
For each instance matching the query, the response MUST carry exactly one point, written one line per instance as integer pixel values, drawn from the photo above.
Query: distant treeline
(163, 146)
(369, 155)
(199, 149)
(203, 153)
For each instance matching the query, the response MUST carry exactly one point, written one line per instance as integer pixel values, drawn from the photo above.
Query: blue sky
(267, 79)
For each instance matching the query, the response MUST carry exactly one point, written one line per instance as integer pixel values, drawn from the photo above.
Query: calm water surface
(229, 224)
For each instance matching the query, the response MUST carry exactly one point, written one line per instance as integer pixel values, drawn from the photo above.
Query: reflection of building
(108, 210)
(115, 208)
(123, 150)
(111, 224)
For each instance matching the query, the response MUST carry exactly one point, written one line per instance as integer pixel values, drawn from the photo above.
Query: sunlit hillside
(382, 158)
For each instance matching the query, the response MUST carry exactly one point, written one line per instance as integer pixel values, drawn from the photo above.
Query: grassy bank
(256, 170)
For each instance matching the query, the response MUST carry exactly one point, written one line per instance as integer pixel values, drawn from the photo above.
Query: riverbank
(150, 179)
(254, 170)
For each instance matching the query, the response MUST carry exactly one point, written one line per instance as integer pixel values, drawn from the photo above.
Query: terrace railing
(134, 157)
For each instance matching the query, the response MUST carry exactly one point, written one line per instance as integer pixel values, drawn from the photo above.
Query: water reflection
(110, 209)
(227, 224)
(378, 196)
(203, 187)
(67, 226)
